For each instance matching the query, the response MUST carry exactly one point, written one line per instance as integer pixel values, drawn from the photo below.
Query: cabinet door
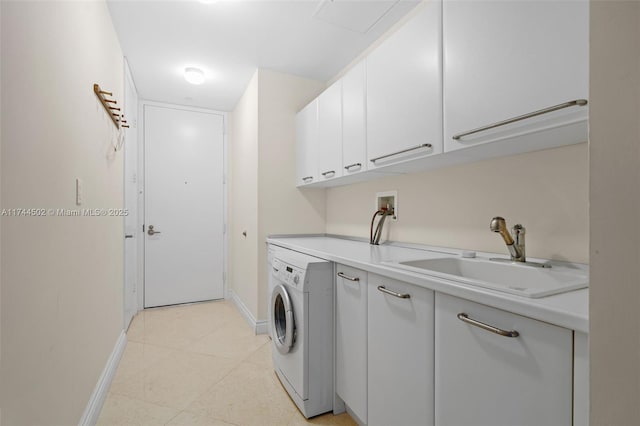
(404, 91)
(307, 144)
(354, 149)
(485, 379)
(330, 132)
(505, 59)
(400, 342)
(351, 339)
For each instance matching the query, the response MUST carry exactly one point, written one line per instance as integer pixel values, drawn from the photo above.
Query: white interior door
(131, 229)
(184, 160)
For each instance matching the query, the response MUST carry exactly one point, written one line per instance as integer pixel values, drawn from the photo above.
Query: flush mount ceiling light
(194, 75)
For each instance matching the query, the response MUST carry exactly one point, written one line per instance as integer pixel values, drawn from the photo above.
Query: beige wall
(282, 207)
(243, 197)
(62, 277)
(615, 210)
(546, 191)
(262, 144)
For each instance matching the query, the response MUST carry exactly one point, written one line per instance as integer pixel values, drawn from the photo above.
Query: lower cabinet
(351, 339)
(407, 356)
(400, 353)
(486, 378)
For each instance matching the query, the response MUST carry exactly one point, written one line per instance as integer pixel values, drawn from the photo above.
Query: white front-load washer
(301, 327)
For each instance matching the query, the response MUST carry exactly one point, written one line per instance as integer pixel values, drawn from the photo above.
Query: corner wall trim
(96, 401)
(259, 327)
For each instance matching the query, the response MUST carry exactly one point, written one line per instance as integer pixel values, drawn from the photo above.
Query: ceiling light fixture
(194, 75)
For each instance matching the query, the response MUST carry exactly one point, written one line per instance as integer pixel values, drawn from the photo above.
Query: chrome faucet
(514, 241)
(374, 237)
(516, 248)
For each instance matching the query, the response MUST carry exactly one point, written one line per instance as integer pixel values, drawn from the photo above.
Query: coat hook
(106, 103)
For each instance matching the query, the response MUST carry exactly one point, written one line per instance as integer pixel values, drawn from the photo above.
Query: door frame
(142, 182)
(130, 84)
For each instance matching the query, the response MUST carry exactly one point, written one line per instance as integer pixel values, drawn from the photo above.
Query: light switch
(79, 191)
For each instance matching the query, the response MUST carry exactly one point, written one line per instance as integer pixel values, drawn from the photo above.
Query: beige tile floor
(200, 364)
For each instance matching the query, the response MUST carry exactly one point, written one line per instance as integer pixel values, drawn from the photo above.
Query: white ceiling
(229, 39)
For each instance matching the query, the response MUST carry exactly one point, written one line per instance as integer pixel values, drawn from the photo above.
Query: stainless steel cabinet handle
(128, 236)
(506, 333)
(424, 145)
(577, 102)
(306, 178)
(346, 277)
(330, 172)
(393, 293)
(352, 165)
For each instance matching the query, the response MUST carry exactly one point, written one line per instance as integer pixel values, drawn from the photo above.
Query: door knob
(151, 231)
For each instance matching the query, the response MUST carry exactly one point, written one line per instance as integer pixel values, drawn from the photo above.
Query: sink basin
(507, 277)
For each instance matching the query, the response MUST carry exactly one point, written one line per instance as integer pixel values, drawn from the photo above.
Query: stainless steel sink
(507, 277)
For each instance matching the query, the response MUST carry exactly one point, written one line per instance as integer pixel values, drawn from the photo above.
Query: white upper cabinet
(354, 121)
(404, 91)
(514, 76)
(515, 68)
(330, 132)
(307, 145)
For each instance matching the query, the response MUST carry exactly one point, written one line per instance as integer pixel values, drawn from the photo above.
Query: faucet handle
(518, 235)
(518, 230)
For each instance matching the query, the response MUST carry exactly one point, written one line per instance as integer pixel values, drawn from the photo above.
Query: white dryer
(301, 317)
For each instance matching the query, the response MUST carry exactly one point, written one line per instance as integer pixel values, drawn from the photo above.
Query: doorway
(184, 205)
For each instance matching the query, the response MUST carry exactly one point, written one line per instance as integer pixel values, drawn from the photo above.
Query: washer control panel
(287, 274)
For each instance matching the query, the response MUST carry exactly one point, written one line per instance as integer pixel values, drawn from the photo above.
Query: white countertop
(569, 310)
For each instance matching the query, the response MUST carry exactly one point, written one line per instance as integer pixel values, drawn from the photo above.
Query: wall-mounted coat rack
(109, 106)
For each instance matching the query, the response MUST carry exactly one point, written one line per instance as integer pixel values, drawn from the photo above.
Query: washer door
(282, 319)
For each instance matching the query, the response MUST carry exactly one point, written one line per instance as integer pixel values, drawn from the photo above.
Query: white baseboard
(262, 327)
(94, 407)
(259, 327)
